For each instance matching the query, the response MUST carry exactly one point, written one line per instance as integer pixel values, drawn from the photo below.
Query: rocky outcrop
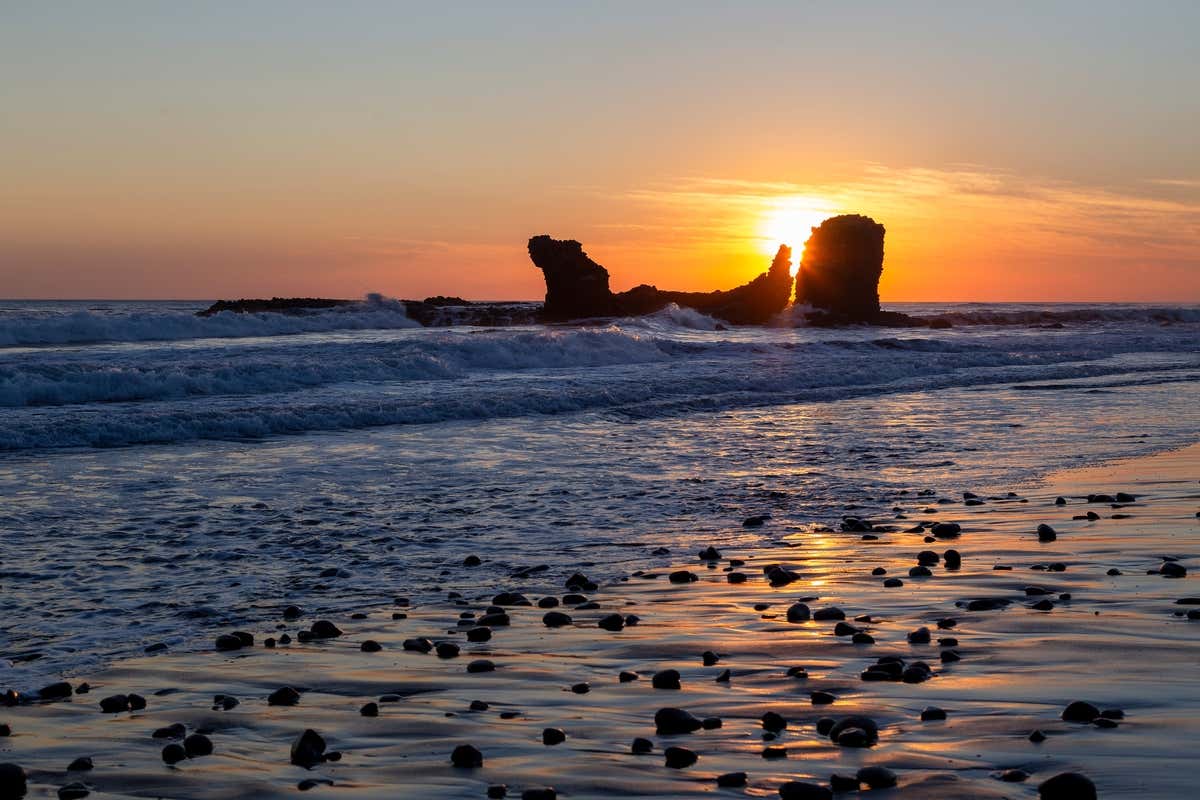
(278, 305)
(839, 273)
(577, 288)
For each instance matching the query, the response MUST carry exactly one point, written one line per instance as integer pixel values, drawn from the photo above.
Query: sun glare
(790, 221)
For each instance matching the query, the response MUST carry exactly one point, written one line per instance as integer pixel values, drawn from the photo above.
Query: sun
(790, 220)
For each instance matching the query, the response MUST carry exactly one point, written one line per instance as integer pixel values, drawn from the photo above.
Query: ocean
(165, 476)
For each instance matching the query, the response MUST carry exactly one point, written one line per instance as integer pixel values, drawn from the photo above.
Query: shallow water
(150, 496)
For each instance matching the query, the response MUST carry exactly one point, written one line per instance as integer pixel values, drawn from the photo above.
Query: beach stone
(548, 602)
(611, 622)
(755, 521)
(421, 645)
(726, 675)
(1043, 605)
(369, 710)
(540, 793)
(479, 634)
(1067, 786)
(115, 704)
(556, 619)
(511, 599)
(81, 764)
(370, 646)
(854, 731)
(843, 783)
(1045, 533)
(862, 638)
(1037, 737)
(466, 756)
(472, 561)
(736, 577)
(324, 629)
(497, 791)
(1079, 711)
(932, 714)
(928, 557)
(731, 780)
(626, 676)
(682, 576)
(309, 749)
(481, 665)
(292, 612)
(800, 673)
(447, 650)
(949, 656)
(773, 722)
(136, 702)
(710, 553)
(825, 725)
(919, 636)
(198, 745)
(1014, 775)
(798, 612)
(821, 698)
(679, 757)
(774, 751)
(581, 688)
(494, 619)
(844, 629)
(641, 747)
(173, 754)
(666, 679)
(1060, 501)
(56, 691)
(479, 705)
(946, 530)
(779, 576)
(919, 572)
(553, 736)
(892, 583)
(1172, 569)
(283, 696)
(72, 791)
(879, 571)
(711, 723)
(670, 721)
(877, 777)
(802, 790)
(5, 730)
(952, 559)
(708, 658)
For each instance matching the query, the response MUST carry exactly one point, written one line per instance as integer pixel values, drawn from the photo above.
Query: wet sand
(1119, 642)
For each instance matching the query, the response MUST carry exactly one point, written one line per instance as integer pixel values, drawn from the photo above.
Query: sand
(1119, 642)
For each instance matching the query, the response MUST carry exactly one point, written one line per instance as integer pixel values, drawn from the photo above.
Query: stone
(731, 780)
(682, 576)
(72, 791)
(173, 754)
(283, 696)
(81, 764)
(671, 721)
(420, 645)
(877, 777)
(197, 745)
(932, 714)
(1045, 533)
(821, 698)
(1172, 569)
(370, 646)
(773, 722)
(611, 622)
(481, 665)
(802, 790)
(798, 612)
(479, 634)
(115, 704)
(55, 691)
(867, 732)
(666, 679)
(324, 629)
(308, 750)
(1079, 711)
(556, 619)
(679, 757)
(369, 710)
(447, 650)
(553, 736)
(1067, 786)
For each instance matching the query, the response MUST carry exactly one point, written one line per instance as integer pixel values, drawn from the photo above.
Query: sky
(1013, 151)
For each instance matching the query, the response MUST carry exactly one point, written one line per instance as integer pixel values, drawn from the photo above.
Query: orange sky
(224, 152)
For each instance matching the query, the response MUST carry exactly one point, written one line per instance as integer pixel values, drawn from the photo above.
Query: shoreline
(1019, 668)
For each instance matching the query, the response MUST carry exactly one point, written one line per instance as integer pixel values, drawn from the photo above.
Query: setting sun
(790, 221)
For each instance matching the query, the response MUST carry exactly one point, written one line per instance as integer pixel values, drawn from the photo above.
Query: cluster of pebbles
(467, 648)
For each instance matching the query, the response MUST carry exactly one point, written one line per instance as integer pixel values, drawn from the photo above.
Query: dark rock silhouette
(281, 305)
(577, 288)
(839, 273)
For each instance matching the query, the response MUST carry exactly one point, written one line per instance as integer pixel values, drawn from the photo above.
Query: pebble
(821, 698)
(1045, 533)
(892, 583)
(731, 780)
(466, 756)
(641, 747)
(877, 777)
(1172, 569)
(481, 665)
(709, 658)
(581, 688)
(370, 646)
(1067, 786)
(798, 612)
(369, 710)
(665, 679)
(855, 731)
(680, 757)
(81, 764)
(324, 629)
(919, 636)
(309, 749)
(774, 751)
(197, 745)
(932, 714)
(115, 704)
(553, 736)
(73, 791)
(447, 650)
(173, 754)
(774, 722)
(919, 572)
(1037, 737)
(736, 577)
(682, 576)
(611, 622)
(497, 791)
(479, 634)
(1079, 711)
(421, 645)
(1014, 775)
(828, 614)
(626, 676)
(283, 696)
(556, 619)
(802, 790)
(540, 793)
(668, 721)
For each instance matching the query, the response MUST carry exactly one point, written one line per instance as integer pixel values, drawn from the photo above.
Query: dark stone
(497, 791)
(877, 777)
(115, 704)
(174, 753)
(867, 732)
(843, 783)
(626, 676)
(1079, 711)
(736, 577)
(81, 764)
(731, 780)
(611, 622)
(711, 723)
(56, 691)
(553, 736)
(669, 721)
(1067, 786)
(1014, 775)
(825, 725)
(1172, 569)
(581, 688)
(679, 757)
(1045, 533)
(308, 750)
(919, 572)
(479, 634)
(283, 696)
(72, 791)
(539, 793)
(466, 757)
(932, 714)
(798, 612)
(774, 751)
(472, 561)
(756, 521)
(447, 650)
(920, 636)
(802, 790)
(682, 576)
(198, 745)
(481, 665)
(421, 645)
(369, 710)
(665, 679)
(946, 530)
(324, 629)
(773, 722)
(176, 730)
(641, 747)
(892, 583)
(710, 553)
(709, 658)
(370, 646)
(1037, 737)
(511, 599)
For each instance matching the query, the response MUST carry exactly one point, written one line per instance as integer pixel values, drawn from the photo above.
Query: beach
(1121, 642)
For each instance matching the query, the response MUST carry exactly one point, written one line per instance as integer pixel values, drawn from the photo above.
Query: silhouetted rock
(577, 288)
(840, 270)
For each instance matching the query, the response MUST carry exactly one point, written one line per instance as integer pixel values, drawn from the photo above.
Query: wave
(89, 327)
(1160, 315)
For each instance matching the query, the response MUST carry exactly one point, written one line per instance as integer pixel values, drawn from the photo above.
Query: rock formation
(839, 273)
(577, 288)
